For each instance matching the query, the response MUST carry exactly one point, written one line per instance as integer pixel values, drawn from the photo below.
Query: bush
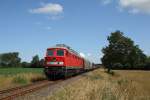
(20, 80)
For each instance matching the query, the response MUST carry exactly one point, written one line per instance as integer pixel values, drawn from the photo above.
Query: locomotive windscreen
(50, 52)
(60, 52)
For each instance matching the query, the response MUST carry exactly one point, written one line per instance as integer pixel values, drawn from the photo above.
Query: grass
(98, 85)
(19, 79)
(12, 77)
(13, 71)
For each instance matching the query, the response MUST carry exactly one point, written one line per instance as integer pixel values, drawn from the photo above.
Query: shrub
(20, 80)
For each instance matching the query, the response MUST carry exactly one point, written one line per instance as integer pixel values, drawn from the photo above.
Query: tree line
(122, 53)
(12, 59)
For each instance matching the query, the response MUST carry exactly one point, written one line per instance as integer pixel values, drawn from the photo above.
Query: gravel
(46, 91)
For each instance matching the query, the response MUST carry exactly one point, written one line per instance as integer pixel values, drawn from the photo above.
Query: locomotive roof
(66, 47)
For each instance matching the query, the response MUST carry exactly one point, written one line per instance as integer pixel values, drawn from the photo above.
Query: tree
(35, 61)
(10, 59)
(42, 63)
(147, 65)
(25, 64)
(122, 53)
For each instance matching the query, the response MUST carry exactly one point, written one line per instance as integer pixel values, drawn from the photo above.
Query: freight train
(62, 61)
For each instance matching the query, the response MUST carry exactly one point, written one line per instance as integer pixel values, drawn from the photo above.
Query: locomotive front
(54, 57)
(55, 62)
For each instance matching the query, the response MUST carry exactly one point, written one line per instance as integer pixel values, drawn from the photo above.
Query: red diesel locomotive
(62, 61)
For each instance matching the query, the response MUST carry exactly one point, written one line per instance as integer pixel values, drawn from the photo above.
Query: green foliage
(10, 59)
(19, 80)
(42, 63)
(147, 65)
(122, 53)
(25, 64)
(36, 62)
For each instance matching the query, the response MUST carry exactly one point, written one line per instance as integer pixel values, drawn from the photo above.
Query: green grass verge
(14, 71)
(12, 77)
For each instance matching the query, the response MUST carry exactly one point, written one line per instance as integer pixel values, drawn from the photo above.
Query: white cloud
(136, 6)
(50, 8)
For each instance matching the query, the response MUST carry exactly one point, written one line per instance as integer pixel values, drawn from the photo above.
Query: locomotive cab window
(60, 52)
(50, 52)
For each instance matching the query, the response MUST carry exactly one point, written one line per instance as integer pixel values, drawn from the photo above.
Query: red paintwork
(73, 60)
(70, 59)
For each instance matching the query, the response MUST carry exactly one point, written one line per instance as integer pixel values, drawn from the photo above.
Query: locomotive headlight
(55, 63)
(61, 63)
(51, 62)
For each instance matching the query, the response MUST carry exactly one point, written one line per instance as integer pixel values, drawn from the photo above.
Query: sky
(31, 26)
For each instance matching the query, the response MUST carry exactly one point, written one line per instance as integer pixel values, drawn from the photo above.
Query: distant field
(12, 77)
(13, 71)
(98, 85)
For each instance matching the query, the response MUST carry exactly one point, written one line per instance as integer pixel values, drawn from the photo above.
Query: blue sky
(31, 26)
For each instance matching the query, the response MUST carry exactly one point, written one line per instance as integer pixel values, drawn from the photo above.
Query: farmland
(13, 71)
(12, 77)
(98, 85)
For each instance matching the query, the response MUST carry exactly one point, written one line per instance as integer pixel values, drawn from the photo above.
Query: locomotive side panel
(73, 61)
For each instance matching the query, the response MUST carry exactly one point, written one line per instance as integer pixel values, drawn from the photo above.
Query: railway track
(12, 93)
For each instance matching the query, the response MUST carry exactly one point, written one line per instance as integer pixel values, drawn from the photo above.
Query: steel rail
(19, 91)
